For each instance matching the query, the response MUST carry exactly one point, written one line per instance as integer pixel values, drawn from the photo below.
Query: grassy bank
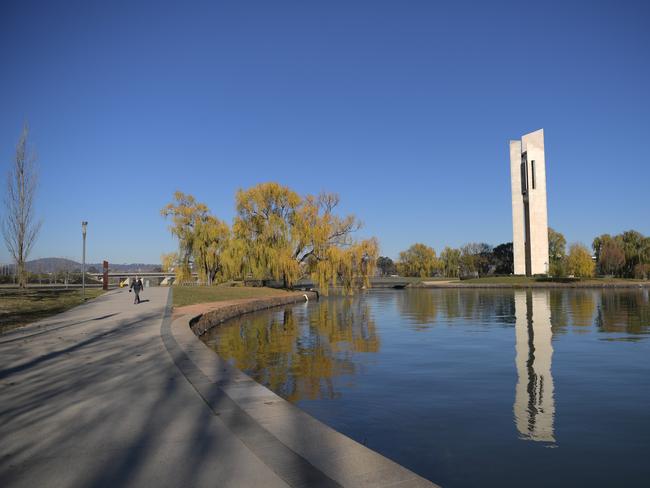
(20, 307)
(526, 280)
(534, 282)
(412, 280)
(513, 280)
(190, 295)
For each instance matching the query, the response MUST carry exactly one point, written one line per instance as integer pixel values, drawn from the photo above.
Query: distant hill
(133, 267)
(53, 265)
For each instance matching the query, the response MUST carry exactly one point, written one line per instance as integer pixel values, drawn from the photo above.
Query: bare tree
(19, 227)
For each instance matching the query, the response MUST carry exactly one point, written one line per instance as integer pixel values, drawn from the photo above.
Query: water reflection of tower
(534, 406)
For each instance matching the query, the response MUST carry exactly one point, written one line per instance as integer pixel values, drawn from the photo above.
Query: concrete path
(116, 394)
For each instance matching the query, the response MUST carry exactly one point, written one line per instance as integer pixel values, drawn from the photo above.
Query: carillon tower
(529, 215)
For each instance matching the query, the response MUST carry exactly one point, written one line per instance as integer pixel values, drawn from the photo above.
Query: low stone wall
(201, 324)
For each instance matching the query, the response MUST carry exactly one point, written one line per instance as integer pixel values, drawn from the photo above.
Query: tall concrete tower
(529, 215)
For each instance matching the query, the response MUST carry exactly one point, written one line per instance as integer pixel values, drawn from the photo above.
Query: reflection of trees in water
(582, 306)
(384, 297)
(484, 305)
(451, 304)
(346, 324)
(296, 358)
(423, 307)
(627, 311)
(559, 311)
(419, 306)
(496, 306)
(610, 310)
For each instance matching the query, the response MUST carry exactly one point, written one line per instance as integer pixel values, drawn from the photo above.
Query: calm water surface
(469, 387)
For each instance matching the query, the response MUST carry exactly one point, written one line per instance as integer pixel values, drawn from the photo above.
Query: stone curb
(204, 322)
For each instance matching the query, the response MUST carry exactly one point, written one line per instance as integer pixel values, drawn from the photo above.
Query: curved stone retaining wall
(201, 324)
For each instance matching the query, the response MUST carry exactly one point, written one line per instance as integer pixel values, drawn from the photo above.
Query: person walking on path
(136, 286)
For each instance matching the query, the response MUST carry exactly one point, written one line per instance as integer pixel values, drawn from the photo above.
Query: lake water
(468, 387)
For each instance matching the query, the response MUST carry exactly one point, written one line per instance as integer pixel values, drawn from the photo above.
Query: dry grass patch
(191, 295)
(20, 307)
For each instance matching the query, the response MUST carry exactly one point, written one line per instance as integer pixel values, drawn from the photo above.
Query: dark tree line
(625, 255)
(472, 259)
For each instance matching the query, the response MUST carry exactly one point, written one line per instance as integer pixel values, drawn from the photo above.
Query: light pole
(84, 224)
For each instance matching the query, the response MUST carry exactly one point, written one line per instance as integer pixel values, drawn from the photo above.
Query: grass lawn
(20, 307)
(502, 279)
(417, 279)
(189, 295)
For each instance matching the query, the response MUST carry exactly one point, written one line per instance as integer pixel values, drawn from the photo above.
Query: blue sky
(404, 108)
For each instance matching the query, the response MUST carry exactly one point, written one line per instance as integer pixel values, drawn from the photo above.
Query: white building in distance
(529, 214)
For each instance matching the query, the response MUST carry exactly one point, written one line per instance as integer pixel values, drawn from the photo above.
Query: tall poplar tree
(19, 227)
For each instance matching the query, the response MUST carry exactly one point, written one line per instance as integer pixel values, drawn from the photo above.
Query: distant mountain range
(53, 265)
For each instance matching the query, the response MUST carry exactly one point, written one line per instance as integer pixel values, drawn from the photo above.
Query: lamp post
(84, 224)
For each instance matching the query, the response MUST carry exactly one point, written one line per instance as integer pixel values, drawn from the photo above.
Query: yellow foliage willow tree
(185, 212)
(265, 227)
(450, 261)
(169, 261)
(202, 239)
(579, 261)
(211, 239)
(350, 266)
(286, 236)
(418, 260)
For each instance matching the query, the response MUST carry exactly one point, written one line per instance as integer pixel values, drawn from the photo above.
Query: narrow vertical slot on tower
(532, 168)
(524, 175)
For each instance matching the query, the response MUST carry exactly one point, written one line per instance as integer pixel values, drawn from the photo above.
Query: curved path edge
(300, 449)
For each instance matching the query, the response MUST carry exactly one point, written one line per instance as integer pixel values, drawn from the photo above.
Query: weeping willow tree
(265, 225)
(211, 239)
(418, 260)
(285, 237)
(234, 259)
(202, 239)
(168, 261)
(185, 212)
(349, 266)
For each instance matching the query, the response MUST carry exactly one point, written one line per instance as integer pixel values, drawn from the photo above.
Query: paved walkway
(114, 394)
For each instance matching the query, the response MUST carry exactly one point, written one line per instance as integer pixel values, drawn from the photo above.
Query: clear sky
(404, 108)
